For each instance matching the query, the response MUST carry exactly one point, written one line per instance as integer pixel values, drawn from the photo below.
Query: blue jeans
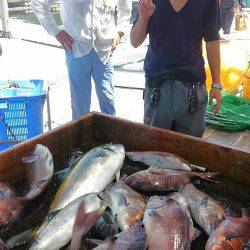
(80, 71)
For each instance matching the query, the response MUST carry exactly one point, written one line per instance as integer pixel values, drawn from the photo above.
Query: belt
(157, 82)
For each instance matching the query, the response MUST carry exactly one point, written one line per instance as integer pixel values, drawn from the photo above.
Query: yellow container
(246, 83)
(233, 66)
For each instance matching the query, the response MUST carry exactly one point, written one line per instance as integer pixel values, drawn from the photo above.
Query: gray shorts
(172, 110)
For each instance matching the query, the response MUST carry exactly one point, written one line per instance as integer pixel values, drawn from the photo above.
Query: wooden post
(4, 14)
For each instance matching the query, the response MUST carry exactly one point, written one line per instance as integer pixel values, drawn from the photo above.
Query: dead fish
(38, 173)
(91, 174)
(132, 239)
(57, 229)
(10, 207)
(232, 234)
(160, 160)
(207, 212)
(106, 226)
(39, 170)
(83, 223)
(156, 179)
(126, 204)
(167, 224)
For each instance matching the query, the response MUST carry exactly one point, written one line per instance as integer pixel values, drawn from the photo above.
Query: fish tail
(83, 223)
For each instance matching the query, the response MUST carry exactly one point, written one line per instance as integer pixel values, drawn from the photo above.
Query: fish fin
(62, 173)
(197, 233)
(20, 239)
(198, 168)
(155, 170)
(83, 223)
(230, 235)
(39, 169)
(207, 176)
(118, 175)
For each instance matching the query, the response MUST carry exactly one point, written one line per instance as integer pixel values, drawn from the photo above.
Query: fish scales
(126, 204)
(206, 211)
(166, 225)
(91, 174)
(232, 233)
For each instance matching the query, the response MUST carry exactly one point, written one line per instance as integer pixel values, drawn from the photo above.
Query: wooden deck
(236, 140)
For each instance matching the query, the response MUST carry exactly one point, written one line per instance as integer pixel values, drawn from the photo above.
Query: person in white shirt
(89, 36)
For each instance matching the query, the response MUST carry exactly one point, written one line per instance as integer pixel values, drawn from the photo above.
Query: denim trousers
(81, 70)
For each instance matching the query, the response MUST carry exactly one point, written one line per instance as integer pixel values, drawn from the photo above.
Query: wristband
(217, 86)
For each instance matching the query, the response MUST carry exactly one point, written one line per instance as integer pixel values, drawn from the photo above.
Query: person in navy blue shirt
(175, 95)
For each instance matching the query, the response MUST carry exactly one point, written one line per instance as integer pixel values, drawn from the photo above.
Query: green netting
(234, 114)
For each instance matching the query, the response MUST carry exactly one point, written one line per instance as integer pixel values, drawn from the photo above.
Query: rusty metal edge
(233, 163)
(11, 165)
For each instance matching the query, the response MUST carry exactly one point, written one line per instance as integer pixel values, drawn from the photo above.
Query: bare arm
(138, 33)
(213, 56)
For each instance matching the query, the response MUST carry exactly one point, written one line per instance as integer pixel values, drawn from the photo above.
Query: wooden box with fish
(150, 189)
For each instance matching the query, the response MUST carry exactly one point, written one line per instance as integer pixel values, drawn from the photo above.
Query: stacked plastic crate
(21, 111)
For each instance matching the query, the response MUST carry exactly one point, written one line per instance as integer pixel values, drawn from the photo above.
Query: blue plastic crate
(22, 115)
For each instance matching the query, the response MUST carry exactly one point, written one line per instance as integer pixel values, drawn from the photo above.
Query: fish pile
(154, 209)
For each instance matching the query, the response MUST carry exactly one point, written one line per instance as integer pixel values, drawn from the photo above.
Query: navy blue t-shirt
(175, 39)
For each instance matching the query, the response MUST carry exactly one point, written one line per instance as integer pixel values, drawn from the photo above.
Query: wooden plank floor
(236, 140)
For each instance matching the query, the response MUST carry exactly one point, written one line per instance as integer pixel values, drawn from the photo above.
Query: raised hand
(146, 9)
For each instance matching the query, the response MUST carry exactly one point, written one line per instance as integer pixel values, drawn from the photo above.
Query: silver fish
(126, 204)
(57, 229)
(160, 160)
(91, 174)
(207, 212)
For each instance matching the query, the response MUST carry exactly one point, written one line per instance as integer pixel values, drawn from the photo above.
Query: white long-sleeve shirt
(90, 23)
